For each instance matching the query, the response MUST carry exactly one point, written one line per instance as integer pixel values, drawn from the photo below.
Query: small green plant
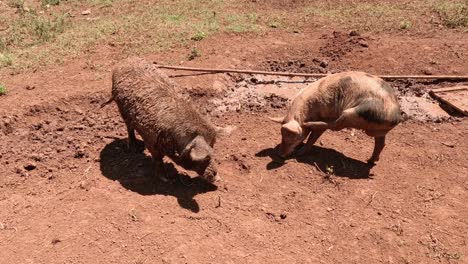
(453, 15)
(5, 60)
(242, 23)
(194, 54)
(3, 89)
(200, 35)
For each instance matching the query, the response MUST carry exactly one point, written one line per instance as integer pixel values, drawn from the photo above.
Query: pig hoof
(372, 162)
(136, 147)
(140, 147)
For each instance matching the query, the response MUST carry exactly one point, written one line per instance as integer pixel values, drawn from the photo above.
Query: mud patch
(418, 105)
(258, 93)
(245, 96)
(247, 93)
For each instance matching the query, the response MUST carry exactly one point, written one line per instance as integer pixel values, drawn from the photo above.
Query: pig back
(370, 96)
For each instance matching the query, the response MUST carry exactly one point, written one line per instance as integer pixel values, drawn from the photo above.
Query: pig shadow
(325, 159)
(135, 173)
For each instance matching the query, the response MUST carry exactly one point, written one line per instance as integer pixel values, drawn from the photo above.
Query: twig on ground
(371, 199)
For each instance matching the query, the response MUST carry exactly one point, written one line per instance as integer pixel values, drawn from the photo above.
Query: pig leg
(378, 147)
(131, 138)
(158, 166)
(134, 145)
(313, 137)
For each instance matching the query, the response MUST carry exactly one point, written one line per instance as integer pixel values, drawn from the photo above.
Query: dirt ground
(70, 193)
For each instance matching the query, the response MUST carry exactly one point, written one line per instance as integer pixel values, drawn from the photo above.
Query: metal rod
(314, 75)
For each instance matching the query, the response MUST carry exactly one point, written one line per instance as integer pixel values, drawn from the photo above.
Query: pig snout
(284, 150)
(292, 135)
(210, 173)
(288, 146)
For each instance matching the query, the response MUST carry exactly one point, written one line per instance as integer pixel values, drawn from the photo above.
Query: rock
(354, 33)
(29, 87)
(80, 153)
(85, 185)
(363, 43)
(428, 71)
(30, 166)
(86, 12)
(323, 64)
(37, 156)
(245, 166)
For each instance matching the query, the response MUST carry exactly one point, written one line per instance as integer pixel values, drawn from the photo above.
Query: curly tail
(107, 102)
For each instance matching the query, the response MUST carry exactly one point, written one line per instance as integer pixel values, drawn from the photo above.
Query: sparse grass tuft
(195, 53)
(30, 29)
(274, 22)
(5, 60)
(51, 2)
(3, 89)
(16, 4)
(44, 36)
(405, 25)
(46, 28)
(243, 23)
(200, 35)
(452, 14)
(363, 15)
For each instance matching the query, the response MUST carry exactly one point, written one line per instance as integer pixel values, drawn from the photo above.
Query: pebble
(30, 166)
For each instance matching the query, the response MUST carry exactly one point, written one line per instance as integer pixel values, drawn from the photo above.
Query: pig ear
(277, 119)
(198, 154)
(293, 127)
(199, 149)
(224, 131)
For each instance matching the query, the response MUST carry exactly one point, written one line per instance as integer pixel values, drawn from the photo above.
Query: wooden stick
(449, 103)
(448, 89)
(314, 75)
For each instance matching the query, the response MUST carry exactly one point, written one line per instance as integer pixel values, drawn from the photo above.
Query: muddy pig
(169, 125)
(343, 100)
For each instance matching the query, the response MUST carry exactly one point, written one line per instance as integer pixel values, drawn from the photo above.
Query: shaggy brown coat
(169, 125)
